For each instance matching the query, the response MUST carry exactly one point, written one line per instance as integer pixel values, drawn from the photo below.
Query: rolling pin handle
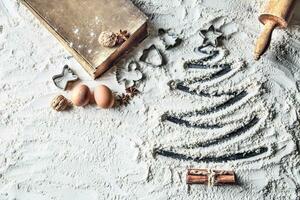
(264, 39)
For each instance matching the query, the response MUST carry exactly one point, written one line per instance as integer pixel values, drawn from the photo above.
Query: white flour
(88, 153)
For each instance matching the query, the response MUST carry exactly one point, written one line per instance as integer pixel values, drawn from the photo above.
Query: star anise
(122, 36)
(132, 91)
(124, 99)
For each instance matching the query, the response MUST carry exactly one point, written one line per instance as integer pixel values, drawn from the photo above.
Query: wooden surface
(78, 23)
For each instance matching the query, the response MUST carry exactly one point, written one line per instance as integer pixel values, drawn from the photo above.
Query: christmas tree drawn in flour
(215, 117)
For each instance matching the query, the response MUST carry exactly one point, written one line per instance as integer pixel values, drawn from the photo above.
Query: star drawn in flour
(210, 36)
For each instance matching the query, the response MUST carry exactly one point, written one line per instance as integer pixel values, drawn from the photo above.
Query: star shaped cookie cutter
(211, 36)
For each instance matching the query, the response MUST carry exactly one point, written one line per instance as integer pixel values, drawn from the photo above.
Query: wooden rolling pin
(277, 14)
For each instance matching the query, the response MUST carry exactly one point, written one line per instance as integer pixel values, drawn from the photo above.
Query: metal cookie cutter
(62, 80)
(153, 56)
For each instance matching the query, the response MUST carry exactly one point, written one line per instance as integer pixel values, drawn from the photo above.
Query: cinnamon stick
(210, 177)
